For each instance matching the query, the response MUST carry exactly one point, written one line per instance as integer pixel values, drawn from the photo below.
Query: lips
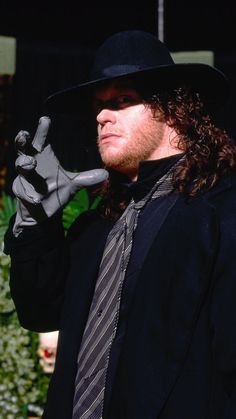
(108, 135)
(108, 138)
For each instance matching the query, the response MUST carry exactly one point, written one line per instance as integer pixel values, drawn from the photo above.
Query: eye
(117, 102)
(125, 100)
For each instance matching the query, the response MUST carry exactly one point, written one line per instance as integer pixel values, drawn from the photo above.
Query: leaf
(79, 204)
(6, 212)
(9, 205)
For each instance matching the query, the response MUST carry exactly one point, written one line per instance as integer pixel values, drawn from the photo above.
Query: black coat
(178, 359)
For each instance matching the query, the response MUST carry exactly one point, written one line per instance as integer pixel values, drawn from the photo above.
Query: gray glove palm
(42, 186)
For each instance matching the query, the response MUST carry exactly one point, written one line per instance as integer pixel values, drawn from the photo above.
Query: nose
(106, 115)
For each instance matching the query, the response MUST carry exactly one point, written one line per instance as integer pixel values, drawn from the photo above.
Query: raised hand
(42, 186)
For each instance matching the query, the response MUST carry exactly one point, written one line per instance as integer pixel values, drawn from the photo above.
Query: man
(142, 289)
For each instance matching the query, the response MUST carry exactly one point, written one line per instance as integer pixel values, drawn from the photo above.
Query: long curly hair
(209, 151)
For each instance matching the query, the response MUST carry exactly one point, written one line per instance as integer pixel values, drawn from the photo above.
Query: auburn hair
(210, 152)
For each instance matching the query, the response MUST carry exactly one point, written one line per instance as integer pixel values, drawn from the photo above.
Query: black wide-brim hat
(141, 55)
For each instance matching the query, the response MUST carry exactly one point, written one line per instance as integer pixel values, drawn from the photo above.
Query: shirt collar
(149, 172)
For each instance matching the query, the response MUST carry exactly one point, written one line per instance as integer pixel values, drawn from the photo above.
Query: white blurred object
(161, 22)
(47, 350)
(7, 55)
(201, 57)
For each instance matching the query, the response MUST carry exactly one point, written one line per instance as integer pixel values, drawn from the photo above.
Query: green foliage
(23, 383)
(6, 212)
(6, 303)
(79, 204)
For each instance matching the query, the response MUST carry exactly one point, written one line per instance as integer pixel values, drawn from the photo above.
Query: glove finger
(21, 141)
(24, 164)
(90, 177)
(41, 133)
(25, 191)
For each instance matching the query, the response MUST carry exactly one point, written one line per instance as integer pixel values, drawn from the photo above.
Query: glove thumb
(89, 178)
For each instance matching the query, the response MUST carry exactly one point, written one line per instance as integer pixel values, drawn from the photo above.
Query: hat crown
(147, 59)
(128, 52)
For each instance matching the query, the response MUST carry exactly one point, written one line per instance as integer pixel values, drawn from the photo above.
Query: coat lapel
(169, 293)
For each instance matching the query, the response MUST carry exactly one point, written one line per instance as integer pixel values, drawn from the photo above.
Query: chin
(120, 162)
(110, 159)
(121, 167)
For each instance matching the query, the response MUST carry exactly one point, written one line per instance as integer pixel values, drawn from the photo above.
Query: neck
(167, 147)
(168, 144)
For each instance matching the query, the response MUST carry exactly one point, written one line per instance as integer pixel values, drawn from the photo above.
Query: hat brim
(209, 82)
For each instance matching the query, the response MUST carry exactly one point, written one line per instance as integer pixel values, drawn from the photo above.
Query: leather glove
(42, 186)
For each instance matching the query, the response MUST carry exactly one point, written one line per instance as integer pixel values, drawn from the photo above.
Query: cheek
(138, 129)
(134, 127)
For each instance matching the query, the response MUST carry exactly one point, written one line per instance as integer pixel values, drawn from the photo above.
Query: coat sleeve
(223, 309)
(39, 262)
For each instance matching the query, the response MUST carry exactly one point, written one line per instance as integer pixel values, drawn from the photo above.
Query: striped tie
(100, 330)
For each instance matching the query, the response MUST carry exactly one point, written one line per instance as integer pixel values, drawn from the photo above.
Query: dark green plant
(22, 380)
(7, 209)
(79, 204)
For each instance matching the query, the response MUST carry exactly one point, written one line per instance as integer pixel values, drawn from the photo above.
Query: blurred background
(49, 47)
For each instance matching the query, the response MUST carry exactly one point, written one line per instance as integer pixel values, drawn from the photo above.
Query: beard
(126, 157)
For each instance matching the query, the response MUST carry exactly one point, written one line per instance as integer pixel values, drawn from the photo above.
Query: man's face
(127, 130)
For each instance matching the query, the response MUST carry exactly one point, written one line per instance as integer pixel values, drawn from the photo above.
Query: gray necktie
(100, 330)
